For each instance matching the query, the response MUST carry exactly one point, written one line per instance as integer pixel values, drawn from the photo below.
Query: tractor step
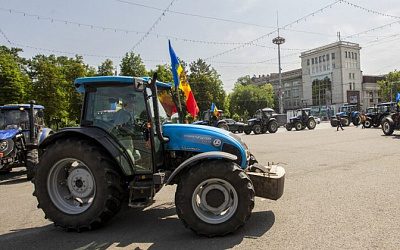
(141, 193)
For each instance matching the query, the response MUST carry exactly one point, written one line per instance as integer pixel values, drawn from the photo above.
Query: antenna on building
(338, 35)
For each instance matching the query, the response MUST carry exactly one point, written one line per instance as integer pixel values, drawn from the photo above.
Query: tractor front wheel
(387, 127)
(76, 185)
(214, 198)
(32, 159)
(345, 122)
(367, 123)
(257, 129)
(298, 126)
(288, 126)
(273, 127)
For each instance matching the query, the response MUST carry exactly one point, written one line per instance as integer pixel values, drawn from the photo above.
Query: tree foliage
(106, 68)
(206, 85)
(245, 100)
(164, 73)
(14, 82)
(389, 86)
(132, 65)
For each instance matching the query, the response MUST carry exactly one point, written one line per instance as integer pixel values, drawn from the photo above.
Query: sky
(233, 36)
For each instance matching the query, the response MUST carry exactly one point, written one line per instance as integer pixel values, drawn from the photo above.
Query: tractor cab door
(121, 111)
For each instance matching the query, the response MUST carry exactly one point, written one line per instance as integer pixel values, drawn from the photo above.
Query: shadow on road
(154, 228)
(13, 177)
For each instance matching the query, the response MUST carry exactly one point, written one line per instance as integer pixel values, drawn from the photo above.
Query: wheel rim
(298, 126)
(273, 127)
(312, 124)
(386, 127)
(257, 129)
(71, 186)
(208, 208)
(367, 124)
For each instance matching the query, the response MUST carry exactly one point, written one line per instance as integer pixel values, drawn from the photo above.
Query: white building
(332, 74)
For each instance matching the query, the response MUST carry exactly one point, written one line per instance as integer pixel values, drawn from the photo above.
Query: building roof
(330, 46)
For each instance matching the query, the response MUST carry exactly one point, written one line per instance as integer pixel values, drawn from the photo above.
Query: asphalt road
(341, 192)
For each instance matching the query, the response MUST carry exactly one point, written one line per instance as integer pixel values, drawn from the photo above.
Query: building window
(319, 59)
(345, 54)
(333, 65)
(350, 86)
(324, 67)
(354, 86)
(323, 58)
(333, 56)
(355, 56)
(349, 75)
(354, 76)
(308, 62)
(327, 57)
(312, 61)
(328, 67)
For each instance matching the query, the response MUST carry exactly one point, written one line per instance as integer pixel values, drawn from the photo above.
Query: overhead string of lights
(158, 20)
(126, 31)
(369, 10)
(304, 18)
(373, 29)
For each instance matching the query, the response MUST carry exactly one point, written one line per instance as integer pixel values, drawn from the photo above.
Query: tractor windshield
(14, 118)
(344, 109)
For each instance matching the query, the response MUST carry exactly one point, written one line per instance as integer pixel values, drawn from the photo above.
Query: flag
(398, 98)
(181, 82)
(165, 98)
(214, 109)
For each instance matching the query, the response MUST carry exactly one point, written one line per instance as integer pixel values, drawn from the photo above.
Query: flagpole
(180, 105)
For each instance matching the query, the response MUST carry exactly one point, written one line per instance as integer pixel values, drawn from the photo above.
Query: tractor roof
(267, 110)
(386, 103)
(19, 106)
(81, 82)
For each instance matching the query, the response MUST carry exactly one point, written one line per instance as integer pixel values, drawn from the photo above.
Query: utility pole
(278, 41)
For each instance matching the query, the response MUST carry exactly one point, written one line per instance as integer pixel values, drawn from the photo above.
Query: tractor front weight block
(269, 185)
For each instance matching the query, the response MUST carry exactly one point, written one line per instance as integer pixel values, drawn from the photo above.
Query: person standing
(339, 123)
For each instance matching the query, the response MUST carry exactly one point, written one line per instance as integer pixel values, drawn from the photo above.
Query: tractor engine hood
(8, 134)
(195, 138)
(341, 114)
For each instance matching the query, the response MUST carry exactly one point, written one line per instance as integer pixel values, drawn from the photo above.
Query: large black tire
(334, 122)
(5, 171)
(32, 159)
(247, 130)
(273, 127)
(288, 126)
(211, 173)
(345, 121)
(357, 120)
(108, 185)
(298, 126)
(367, 123)
(387, 127)
(240, 130)
(257, 129)
(311, 123)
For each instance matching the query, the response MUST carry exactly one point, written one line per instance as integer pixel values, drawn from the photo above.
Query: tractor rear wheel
(357, 120)
(334, 122)
(288, 126)
(345, 121)
(223, 126)
(214, 198)
(298, 126)
(76, 185)
(32, 159)
(257, 129)
(273, 127)
(367, 123)
(311, 123)
(387, 127)
(247, 131)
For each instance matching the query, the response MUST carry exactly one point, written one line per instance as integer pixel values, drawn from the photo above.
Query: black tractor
(234, 126)
(302, 120)
(210, 119)
(264, 120)
(376, 114)
(391, 123)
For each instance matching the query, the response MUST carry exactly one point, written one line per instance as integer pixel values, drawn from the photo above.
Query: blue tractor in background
(348, 114)
(22, 129)
(85, 173)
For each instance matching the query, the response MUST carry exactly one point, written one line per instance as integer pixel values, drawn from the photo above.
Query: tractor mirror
(138, 84)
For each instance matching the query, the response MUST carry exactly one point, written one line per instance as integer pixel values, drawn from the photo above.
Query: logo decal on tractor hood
(198, 138)
(8, 134)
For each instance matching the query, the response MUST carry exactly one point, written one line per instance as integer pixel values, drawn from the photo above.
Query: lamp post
(279, 40)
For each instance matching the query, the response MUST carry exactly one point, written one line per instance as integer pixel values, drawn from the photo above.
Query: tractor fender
(199, 157)
(44, 134)
(389, 119)
(96, 136)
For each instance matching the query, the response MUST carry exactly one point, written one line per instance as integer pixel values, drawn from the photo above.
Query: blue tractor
(348, 114)
(21, 131)
(85, 173)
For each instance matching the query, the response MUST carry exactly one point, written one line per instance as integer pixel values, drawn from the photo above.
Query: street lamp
(279, 40)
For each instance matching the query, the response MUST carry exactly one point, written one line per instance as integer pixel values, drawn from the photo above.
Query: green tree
(245, 100)
(106, 68)
(164, 73)
(244, 80)
(389, 86)
(132, 65)
(14, 82)
(206, 85)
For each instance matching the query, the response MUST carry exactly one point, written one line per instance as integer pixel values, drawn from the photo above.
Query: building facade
(370, 90)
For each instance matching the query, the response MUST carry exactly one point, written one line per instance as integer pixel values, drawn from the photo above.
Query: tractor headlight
(3, 145)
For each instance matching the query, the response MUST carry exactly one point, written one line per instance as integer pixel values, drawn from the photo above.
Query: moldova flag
(214, 109)
(181, 82)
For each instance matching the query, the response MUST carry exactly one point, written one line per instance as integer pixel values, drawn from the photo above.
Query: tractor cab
(301, 120)
(210, 119)
(263, 120)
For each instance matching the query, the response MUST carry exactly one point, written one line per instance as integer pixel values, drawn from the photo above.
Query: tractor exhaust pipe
(32, 134)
